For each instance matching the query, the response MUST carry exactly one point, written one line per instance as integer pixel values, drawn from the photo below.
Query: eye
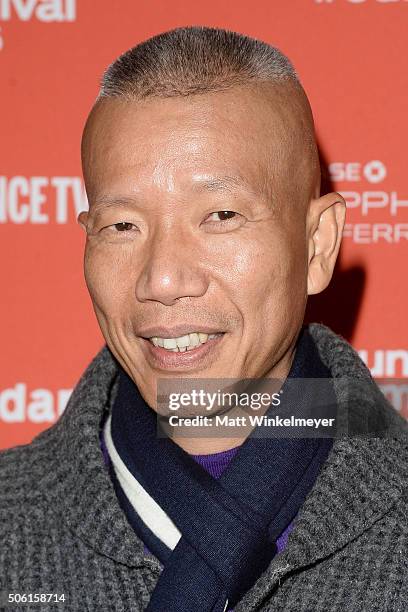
(222, 221)
(224, 215)
(123, 226)
(123, 230)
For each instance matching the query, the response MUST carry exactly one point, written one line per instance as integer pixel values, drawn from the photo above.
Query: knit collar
(360, 481)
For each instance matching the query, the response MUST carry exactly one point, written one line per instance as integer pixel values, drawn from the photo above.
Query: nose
(171, 269)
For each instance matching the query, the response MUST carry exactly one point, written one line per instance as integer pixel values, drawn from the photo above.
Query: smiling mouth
(188, 342)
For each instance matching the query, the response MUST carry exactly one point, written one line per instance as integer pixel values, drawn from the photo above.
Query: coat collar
(360, 481)
(363, 477)
(77, 484)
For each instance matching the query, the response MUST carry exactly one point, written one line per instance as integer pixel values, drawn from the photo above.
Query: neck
(207, 446)
(228, 436)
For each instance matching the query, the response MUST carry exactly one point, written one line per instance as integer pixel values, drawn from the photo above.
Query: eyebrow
(108, 201)
(221, 183)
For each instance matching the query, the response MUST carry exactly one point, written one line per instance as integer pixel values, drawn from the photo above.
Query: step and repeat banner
(351, 56)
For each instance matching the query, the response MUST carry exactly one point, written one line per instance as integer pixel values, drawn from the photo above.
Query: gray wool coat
(62, 529)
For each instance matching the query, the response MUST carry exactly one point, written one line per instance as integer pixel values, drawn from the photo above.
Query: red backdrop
(351, 56)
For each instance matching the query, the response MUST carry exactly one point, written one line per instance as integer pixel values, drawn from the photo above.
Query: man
(206, 232)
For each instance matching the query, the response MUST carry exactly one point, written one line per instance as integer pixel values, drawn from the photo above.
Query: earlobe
(82, 219)
(327, 217)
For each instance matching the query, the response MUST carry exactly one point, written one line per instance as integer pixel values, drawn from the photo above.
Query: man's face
(196, 227)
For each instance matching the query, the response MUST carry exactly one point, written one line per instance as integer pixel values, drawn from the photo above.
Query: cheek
(108, 278)
(265, 268)
(273, 293)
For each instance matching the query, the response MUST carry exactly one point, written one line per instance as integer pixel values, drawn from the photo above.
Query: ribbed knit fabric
(62, 529)
(216, 463)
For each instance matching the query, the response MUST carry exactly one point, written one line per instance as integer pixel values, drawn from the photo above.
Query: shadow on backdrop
(338, 306)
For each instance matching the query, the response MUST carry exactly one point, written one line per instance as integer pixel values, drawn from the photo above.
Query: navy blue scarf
(229, 526)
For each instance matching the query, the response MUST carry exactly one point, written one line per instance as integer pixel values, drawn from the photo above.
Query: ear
(325, 223)
(82, 219)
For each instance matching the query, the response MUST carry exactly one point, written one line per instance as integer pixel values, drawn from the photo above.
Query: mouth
(188, 342)
(187, 351)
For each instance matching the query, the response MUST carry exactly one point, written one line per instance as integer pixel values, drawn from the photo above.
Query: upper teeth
(182, 343)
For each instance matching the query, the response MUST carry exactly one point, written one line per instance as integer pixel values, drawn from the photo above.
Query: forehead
(247, 132)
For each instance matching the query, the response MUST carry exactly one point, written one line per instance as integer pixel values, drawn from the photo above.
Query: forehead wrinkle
(210, 183)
